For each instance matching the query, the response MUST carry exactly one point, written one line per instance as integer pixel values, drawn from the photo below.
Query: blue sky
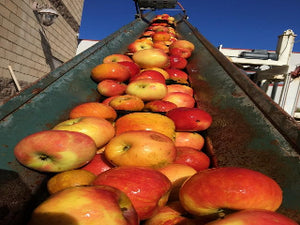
(245, 24)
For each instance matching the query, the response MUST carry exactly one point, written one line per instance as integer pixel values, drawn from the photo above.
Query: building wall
(31, 49)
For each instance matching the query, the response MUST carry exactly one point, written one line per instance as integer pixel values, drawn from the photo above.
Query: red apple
(159, 106)
(171, 214)
(131, 66)
(110, 88)
(148, 189)
(182, 52)
(127, 103)
(192, 157)
(177, 73)
(177, 174)
(190, 119)
(86, 205)
(140, 148)
(116, 58)
(254, 217)
(55, 150)
(93, 109)
(145, 121)
(147, 89)
(113, 71)
(161, 36)
(180, 88)
(99, 129)
(151, 58)
(149, 74)
(235, 188)
(162, 71)
(177, 62)
(183, 44)
(139, 45)
(180, 99)
(98, 164)
(189, 139)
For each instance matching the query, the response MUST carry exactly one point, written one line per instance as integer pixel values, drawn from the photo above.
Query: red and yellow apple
(99, 129)
(86, 205)
(180, 88)
(127, 103)
(116, 58)
(161, 45)
(110, 88)
(139, 45)
(208, 191)
(162, 71)
(180, 99)
(148, 189)
(177, 73)
(177, 62)
(55, 150)
(190, 119)
(98, 164)
(131, 66)
(149, 74)
(145, 121)
(159, 106)
(161, 36)
(93, 109)
(113, 71)
(151, 58)
(182, 52)
(189, 139)
(147, 89)
(192, 157)
(254, 217)
(140, 148)
(183, 44)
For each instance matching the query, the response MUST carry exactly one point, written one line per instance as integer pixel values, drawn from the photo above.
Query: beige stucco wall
(29, 47)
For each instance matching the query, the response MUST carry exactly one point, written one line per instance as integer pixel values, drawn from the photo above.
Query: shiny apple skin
(190, 119)
(127, 102)
(110, 88)
(189, 139)
(159, 106)
(55, 150)
(132, 67)
(180, 88)
(98, 164)
(140, 148)
(149, 58)
(234, 188)
(113, 71)
(183, 44)
(86, 205)
(149, 74)
(180, 99)
(148, 189)
(177, 62)
(116, 58)
(254, 217)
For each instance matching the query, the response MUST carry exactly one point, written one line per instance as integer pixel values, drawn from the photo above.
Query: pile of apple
(136, 156)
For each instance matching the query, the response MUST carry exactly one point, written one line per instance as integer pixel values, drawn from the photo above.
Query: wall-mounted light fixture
(45, 13)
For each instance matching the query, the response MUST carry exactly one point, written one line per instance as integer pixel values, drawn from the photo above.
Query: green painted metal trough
(248, 130)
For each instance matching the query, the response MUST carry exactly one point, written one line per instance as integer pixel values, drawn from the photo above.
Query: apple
(189, 139)
(208, 191)
(180, 99)
(177, 73)
(139, 45)
(98, 164)
(116, 58)
(93, 109)
(145, 121)
(99, 129)
(148, 33)
(148, 58)
(177, 62)
(149, 74)
(162, 46)
(127, 103)
(86, 205)
(183, 44)
(162, 71)
(140, 148)
(180, 88)
(182, 52)
(161, 36)
(110, 88)
(106, 101)
(177, 174)
(171, 214)
(113, 71)
(159, 106)
(55, 150)
(190, 119)
(148, 189)
(158, 27)
(131, 66)
(254, 217)
(193, 158)
(147, 89)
